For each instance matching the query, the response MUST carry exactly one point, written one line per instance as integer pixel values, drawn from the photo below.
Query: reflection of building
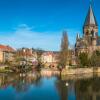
(90, 40)
(6, 53)
(88, 89)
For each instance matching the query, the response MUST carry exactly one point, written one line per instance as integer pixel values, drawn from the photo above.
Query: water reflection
(88, 89)
(35, 86)
(19, 82)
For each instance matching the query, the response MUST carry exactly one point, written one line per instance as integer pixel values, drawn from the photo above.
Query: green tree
(83, 59)
(95, 59)
(63, 56)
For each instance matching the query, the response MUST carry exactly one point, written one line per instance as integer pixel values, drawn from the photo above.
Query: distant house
(6, 53)
(27, 54)
(49, 57)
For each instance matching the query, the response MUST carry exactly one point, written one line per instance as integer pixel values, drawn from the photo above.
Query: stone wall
(49, 72)
(78, 71)
(98, 70)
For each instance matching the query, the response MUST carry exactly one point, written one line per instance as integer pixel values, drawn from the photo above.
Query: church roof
(90, 18)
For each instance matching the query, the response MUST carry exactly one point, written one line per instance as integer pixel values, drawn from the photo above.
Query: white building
(48, 57)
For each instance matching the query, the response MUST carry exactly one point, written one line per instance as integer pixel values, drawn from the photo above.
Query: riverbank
(64, 72)
(80, 77)
(79, 71)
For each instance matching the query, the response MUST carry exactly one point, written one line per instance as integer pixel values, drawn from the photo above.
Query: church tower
(90, 41)
(90, 24)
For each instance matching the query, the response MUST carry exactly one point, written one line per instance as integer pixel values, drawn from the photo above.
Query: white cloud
(24, 36)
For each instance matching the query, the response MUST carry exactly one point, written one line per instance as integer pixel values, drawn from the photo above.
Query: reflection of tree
(20, 83)
(96, 84)
(87, 89)
(5, 80)
(62, 89)
(38, 81)
(14, 81)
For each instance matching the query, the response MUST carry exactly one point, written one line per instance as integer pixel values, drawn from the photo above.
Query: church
(90, 41)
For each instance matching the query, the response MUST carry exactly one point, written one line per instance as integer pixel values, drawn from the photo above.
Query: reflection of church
(90, 41)
(88, 89)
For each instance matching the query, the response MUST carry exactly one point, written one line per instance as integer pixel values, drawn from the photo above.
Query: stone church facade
(90, 41)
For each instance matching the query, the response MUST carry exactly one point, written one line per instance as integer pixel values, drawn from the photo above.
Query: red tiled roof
(6, 48)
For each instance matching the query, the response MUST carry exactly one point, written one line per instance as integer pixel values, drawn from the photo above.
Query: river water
(33, 86)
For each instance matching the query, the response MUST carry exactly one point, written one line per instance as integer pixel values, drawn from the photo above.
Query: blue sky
(40, 23)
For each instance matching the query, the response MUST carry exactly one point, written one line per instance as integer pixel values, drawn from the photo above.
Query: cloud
(25, 36)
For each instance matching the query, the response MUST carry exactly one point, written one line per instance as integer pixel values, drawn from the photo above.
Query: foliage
(39, 53)
(95, 59)
(83, 59)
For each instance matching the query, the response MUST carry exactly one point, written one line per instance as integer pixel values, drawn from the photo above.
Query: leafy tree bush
(83, 59)
(95, 59)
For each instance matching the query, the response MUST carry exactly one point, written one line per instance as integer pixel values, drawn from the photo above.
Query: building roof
(6, 48)
(90, 18)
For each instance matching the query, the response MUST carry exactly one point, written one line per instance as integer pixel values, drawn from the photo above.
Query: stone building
(90, 41)
(50, 58)
(6, 54)
(27, 54)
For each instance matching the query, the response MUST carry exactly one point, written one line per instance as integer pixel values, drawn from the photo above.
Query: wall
(1, 56)
(77, 71)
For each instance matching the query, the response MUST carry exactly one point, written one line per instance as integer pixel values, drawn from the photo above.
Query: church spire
(90, 19)
(78, 36)
(90, 23)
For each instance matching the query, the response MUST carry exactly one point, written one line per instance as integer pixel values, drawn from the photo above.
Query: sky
(40, 23)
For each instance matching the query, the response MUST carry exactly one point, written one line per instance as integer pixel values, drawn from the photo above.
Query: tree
(95, 59)
(63, 56)
(83, 59)
(39, 53)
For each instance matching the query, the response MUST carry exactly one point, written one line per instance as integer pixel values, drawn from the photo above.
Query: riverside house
(49, 58)
(27, 54)
(6, 53)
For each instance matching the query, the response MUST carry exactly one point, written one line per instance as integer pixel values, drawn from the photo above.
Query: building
(72, 58)
(90, 41)
(27, 54)
(50, 58)
(47, 57)
(6, 53)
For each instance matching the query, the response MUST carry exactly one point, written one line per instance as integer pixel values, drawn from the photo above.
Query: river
(33, 86)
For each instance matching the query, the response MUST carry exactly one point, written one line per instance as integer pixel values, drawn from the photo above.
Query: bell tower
(90, 23)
